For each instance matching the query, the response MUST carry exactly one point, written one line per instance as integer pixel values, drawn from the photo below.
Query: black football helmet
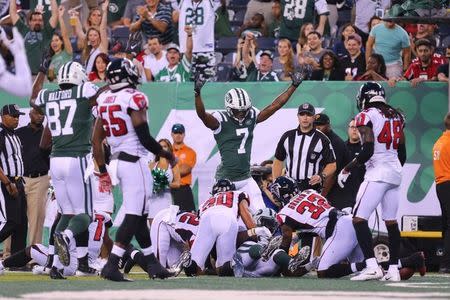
(370, 92)
(121, 73)
(223, 185)
(283, 189)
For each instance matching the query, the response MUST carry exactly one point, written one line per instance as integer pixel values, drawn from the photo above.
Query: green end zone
(28, 286)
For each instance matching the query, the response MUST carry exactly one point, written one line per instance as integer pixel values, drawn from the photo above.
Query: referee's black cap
(308, 108)
(11, 110)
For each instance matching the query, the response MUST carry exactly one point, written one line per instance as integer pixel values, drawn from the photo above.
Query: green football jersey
(180, 73)
(69, 118)
(234, 141)
(294, 14)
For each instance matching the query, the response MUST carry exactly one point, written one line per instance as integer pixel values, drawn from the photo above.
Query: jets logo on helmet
(370, 92)
(71, 73)
(237, 103)
(121, 73)
(283, 189)
(223, 185)
(266, 217)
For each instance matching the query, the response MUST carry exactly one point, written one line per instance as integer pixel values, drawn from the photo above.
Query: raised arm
(64, 33)
(53, 21)
(13, 12)
(103, 28)
(189, 42)
(207, 118)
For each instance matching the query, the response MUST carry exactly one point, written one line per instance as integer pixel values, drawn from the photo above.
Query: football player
(233, 132)
(122, 120)
(68, 112)
(219, 226)
(383, 153)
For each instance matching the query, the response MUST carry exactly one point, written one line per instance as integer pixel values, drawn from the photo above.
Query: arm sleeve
(401, 152)
(328, 152)
(280, 152)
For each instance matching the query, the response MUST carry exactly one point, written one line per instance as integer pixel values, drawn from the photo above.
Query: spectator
(155, 19)
(264, 71)
(179, 68)
(374, 21)
(130, 13)
(239, 70)
(333, 16)
(296, 146)
(36, 165)
(37, 35)
(274, 27)
(98, 73)
(443, 69)
(312, 57)
(60, 48)
(441, 164)
(43, 7)
(353, 64)
(339, 47)
(425, 69)
(187, 158)
(375, 69)
(302, 42)
(285, 63)
(13, 213)
(222, 25)
(263, 7)
(199, 14)
(255, 25)
(164, 179)
(156, 60)
(365, 10)
(297, 13)
(392, 42)
(322, 123)
(424, 31)
(329, 68)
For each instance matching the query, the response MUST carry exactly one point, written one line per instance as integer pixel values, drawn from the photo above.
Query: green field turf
(15, 284)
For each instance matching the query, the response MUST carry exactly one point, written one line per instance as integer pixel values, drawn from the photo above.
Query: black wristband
(102, 169)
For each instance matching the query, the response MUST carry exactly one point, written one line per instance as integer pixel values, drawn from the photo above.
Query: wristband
(251, 232)
(189, 35)
(102, 169)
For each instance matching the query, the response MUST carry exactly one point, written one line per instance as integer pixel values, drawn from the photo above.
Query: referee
(308, 152)
(13, 205)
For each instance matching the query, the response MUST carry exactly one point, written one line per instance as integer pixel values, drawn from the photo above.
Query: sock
(282, 259)
(360, 266)
(79, 223)
(394, 243)
(338, 270)
(116, 250)
(147, 251)
(255, 251)
(364, 237)
(51, 250)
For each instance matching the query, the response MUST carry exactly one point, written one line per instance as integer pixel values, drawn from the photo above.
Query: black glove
(45, 62)
(297, 78)
(198, 84)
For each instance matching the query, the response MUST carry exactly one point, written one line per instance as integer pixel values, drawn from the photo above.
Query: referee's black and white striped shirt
(10, 153)
(306, 154)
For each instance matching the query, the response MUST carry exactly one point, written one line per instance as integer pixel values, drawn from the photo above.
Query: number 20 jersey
(113, 108)
(223, 203)
(309, 211)
(384, 164)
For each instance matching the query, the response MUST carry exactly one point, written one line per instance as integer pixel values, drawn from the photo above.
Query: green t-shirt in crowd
(58, 60)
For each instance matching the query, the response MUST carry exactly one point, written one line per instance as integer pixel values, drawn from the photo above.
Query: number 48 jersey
(309, 211)
(113, 109)
(384, 164)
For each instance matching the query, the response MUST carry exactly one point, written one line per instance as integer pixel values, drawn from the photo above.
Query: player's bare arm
(98, 135)
(244, 211)
(286, 232)
(282, 99)
(206, 118)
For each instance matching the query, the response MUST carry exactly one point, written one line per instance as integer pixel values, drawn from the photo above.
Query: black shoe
(62, 248)
(156, 270)
(126, 262)
(56, 274)
(84, 269)
(111, 272)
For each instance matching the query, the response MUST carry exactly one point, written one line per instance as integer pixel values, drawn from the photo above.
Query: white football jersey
(186, 225)
(225, 202)
(309, 210)
(113, 110)
(201, 15)
(384, 164)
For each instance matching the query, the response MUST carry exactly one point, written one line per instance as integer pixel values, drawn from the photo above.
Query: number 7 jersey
(384, 164)
(114, 109)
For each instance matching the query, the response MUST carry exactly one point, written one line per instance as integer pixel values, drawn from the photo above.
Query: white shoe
(40, 270)
(391, 275)
(369, 274)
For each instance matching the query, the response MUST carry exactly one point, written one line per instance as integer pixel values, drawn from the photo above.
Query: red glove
(104, 185)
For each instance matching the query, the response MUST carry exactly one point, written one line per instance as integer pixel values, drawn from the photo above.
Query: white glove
(342, 178)
(16, 45)
(263, 232)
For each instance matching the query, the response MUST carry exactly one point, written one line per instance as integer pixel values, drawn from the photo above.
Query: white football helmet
(266, 217)
(237, 100)
(72, 73)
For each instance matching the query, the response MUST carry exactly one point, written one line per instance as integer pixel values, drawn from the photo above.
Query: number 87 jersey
(384, 164)
(114, 109)
(307, 212)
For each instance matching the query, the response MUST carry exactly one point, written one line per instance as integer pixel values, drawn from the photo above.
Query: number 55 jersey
(384, 164)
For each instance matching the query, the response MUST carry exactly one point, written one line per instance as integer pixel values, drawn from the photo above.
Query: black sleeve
(401, 152)
(143, 133)
(327, 151)
(280, 152)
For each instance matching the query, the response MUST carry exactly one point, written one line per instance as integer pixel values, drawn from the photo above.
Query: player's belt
(125, 157)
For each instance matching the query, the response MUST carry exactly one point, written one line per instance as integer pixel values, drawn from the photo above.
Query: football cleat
(40, 270)
(237, 265)
(56, 274)
(183, 262)
(84, 269)
(111, 272)
(273, 245)
(391, 275)
(369, 274)
(297, 260)
(156, 270)
(62, 248)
